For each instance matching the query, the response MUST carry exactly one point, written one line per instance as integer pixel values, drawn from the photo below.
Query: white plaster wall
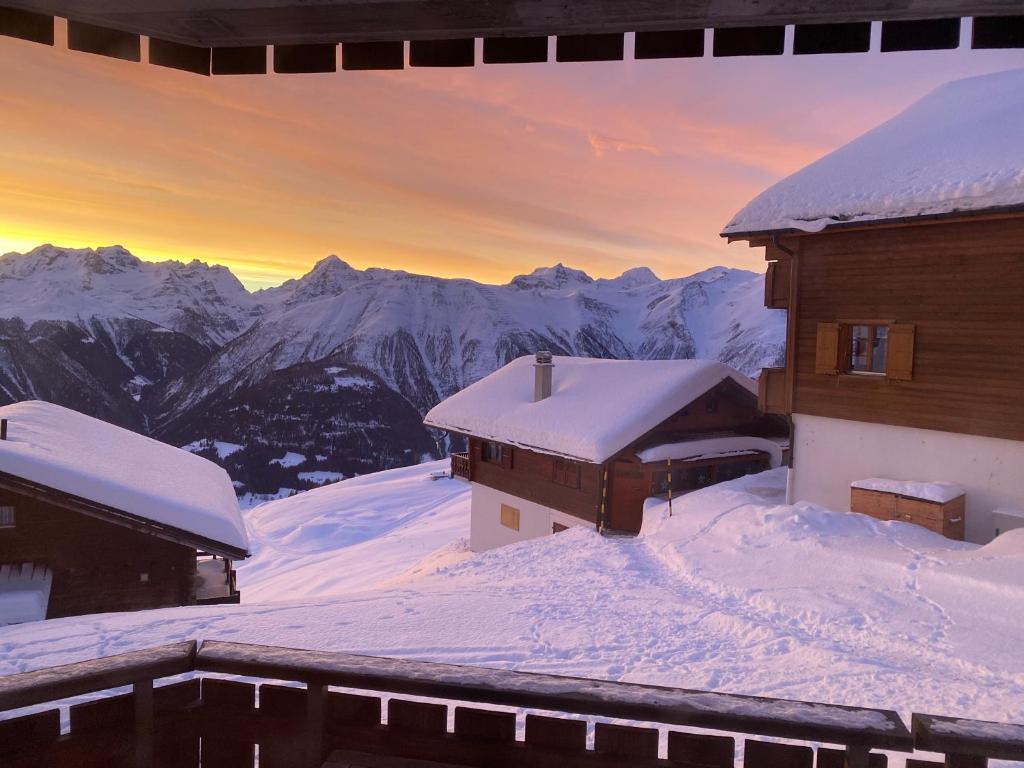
(829, 454)
(487, 532)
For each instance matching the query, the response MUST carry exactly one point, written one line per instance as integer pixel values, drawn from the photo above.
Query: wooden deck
(475, 717)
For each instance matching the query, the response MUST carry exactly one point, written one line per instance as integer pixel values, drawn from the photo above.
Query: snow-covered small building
(564, 441)
(96, 518)
(899, 258)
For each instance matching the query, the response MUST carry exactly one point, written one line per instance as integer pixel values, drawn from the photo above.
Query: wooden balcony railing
(300, 727)
(771, 391)
(461, 466)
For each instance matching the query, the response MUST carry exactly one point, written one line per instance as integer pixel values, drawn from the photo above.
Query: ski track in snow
(736, 592)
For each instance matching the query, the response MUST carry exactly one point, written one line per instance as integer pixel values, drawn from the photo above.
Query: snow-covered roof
(89, 458)
(959, 149)
(713, 448)
(596, 408)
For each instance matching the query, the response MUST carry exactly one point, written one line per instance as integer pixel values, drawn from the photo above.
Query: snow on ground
(735, 592)
(223, 448)
(353, 535)
(290, 459)
(321, 476)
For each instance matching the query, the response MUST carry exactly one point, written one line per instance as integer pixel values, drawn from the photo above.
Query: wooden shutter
(506, 457)
(510, 517)
(899, 359)
(826, 356)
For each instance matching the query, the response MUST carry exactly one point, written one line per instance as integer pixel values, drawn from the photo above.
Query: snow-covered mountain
(169, 348)
(429, 337)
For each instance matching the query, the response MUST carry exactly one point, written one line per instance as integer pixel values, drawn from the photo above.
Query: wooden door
(627, 492)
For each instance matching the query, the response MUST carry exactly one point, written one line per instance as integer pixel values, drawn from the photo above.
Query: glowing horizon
(482, 173)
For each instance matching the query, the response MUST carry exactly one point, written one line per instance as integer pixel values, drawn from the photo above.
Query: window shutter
(826, 357)
(506, 457)
(899, 359)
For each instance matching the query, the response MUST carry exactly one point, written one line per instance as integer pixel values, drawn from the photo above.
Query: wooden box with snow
(898, 258)
(95, 518)
(939, 507)
(564, 441)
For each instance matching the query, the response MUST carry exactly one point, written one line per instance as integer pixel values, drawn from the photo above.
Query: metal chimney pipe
(542, 376)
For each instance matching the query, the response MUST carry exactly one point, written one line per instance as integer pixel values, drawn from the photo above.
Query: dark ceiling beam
(228, 23)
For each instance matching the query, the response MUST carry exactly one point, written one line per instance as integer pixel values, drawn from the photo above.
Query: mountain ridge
(168, 347)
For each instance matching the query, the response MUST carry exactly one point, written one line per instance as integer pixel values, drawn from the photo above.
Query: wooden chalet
(582, 441)
(95, 518)
(899, 259)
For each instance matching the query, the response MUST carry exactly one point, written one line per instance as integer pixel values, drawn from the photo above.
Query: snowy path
(736, 592)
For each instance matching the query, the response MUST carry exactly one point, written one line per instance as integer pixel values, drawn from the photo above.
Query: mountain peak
(558, 276)
(328, 277)
(331, 263)
(633, 278)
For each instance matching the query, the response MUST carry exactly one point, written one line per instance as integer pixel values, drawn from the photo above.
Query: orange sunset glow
(483, 173)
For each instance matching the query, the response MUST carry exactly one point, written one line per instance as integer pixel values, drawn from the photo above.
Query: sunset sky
(484, 173)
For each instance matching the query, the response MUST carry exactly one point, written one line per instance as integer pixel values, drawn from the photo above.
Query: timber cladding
(532, 476)
(97, 566)
(959, 284)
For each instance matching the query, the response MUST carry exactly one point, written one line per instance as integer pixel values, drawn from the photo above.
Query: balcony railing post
(857, 756)
(316, 700)
(143, 695)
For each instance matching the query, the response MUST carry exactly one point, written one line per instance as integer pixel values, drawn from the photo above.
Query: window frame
(846, 340)
(12, 510)
(492, 452)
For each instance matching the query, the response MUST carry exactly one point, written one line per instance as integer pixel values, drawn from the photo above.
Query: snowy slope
(388, 522)
(735, 592)
(957, 149)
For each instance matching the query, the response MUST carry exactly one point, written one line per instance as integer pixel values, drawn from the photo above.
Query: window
(6, 517)
(491, 452)
(711, 404)
(510, 517)
(867, 348)
(566, 473)
(882, 349)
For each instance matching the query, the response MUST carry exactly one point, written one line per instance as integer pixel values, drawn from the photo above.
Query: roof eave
(894, 221)
(119, 517)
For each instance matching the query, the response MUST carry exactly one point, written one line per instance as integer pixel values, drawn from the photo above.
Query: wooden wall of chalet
(727, 407)
(531, 476)
(961, 284)
(97, 566)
